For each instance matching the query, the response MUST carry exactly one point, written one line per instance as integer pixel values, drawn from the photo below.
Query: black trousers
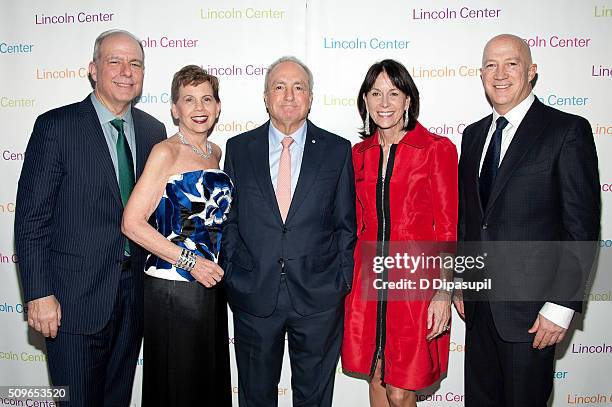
(99, 368)
(186, 345)
(314, 349)
(504, 374)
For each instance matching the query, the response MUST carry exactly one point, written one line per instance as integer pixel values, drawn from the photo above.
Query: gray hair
(109, 33)
(288, 59)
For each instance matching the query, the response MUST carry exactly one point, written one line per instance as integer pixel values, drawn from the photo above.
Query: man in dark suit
(81, 278)
(288, 244)
(528, 173)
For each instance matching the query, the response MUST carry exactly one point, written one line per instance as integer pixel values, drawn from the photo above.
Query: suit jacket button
(285, 229)
(485, 226)
(281, 261)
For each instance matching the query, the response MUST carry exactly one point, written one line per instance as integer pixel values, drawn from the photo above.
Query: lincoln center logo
(602, 11)
(10, 308)
(601, 71)
(64, 73)
(600, 129)
(446, 71)
(66, 18)
(564, 100)
(248, 13)
(8, 258)
(365, 43)
(588, 348)
(16, 102)
(8, 155)
(446, 129)
(465, 13)
(236, 70)
(17, 48)
(23, 357)
(7, 207)
(166, 42)
(555, 41)
(448, 396)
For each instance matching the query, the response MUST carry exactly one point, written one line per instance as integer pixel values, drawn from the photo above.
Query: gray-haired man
(81, 277)
(288, 244)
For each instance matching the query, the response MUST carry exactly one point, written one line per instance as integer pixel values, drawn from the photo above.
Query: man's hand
(547, 333)
(45, 315)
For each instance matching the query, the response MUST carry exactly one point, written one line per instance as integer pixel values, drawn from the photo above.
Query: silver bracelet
(186, 261)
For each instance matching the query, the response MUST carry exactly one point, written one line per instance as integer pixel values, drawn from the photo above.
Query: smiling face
(288, 96)
(118, 72)
(506, 72)
(386, 104)
(196, 109)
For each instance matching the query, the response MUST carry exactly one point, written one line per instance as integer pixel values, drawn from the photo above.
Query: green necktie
(125, 165)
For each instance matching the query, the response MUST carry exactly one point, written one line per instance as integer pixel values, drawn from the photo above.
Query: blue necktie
(491, 162)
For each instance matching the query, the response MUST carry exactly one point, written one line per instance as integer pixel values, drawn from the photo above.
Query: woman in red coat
(406, 184)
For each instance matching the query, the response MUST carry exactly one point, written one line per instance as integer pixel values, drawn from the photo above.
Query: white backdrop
(45, 48)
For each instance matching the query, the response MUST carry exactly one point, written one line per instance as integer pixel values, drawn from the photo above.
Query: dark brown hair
(401, 79)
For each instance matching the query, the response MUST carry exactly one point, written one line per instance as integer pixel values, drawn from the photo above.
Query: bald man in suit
(528, 173)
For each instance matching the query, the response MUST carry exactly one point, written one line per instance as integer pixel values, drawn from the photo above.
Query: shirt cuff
(557, 314)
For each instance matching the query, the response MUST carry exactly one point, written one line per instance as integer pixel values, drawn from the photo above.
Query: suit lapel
(98, 147)
(140, 143)
(260, 158)
(314, 146)
(475, 156)
(528, 132)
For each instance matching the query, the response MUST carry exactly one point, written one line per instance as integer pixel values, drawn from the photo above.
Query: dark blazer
(68, 216)
(546, 190)
(315, 244)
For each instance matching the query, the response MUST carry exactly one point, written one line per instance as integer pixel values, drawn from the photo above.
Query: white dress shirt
(555, 313)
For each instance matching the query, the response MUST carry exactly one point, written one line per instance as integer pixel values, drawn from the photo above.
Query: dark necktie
(491, 162)
(125, 166)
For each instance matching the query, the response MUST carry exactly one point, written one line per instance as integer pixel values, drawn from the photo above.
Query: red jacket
(421, 204)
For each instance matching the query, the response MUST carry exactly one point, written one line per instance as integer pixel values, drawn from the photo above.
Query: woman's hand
(208, 273)
(438, 314)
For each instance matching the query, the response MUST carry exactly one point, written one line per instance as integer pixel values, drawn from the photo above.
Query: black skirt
(186, 346)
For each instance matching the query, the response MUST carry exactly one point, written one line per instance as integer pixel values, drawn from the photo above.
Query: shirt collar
(276, 136)
(105, 115)
(516, 115)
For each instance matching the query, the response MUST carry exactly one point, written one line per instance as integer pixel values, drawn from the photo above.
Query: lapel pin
(314, 141)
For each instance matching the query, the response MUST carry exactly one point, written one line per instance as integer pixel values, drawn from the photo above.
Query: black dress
(186, 347)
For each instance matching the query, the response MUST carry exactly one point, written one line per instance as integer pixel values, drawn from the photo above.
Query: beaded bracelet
(186, 261)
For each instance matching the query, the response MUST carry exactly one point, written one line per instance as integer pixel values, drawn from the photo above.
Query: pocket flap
(242, 259)
(65, 260)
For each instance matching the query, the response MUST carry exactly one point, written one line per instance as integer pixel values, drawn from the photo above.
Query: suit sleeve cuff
(557, 314)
